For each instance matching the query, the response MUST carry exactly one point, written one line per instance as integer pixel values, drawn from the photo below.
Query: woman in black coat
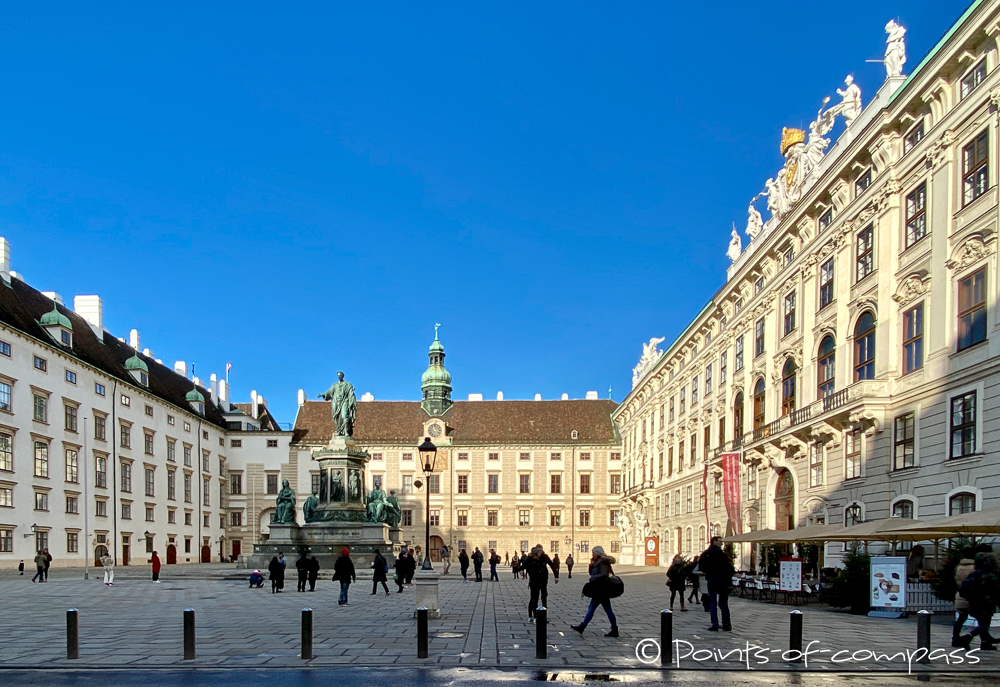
(277, 575)
(343, 572)
(400, 566)
(676, 574)
(463, 562)
(379, 569)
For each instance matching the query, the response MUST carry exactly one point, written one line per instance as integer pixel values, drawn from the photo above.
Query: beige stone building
(851, 356)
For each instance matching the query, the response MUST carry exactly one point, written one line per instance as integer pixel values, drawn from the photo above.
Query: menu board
(888, 581)
(790, 574)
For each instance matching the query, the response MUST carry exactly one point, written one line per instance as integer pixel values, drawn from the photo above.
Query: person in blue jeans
(343, 572)
(718, 571)
(600, 567)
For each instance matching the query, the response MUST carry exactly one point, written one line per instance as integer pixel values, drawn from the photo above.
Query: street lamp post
(428, 457)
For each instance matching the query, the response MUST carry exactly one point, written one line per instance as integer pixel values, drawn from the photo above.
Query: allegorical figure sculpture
(376, 502)
(344, 405)
(735, 246)
(392, 512)
(309, 508)
(337, 486)
(355, 486)
(850, 103)
(284, 511)
(895, 49)
(754, 221)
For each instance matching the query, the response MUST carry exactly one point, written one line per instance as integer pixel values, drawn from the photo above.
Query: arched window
(788, 387)
(962, 503)
(687, 540)
(758, 404)
(903, 509)
(677, 540)
(827, 367)
(852, 515)
(738, 417)
(701, 537)
(864, 347)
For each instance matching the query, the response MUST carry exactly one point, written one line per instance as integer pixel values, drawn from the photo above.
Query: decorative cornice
(939, 149)
(911, 288)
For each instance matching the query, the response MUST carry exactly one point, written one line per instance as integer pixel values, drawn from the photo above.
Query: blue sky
(301, 190)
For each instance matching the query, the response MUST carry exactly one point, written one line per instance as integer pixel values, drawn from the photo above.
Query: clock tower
(436, 381)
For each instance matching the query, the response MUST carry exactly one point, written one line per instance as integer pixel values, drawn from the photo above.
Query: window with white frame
(913, 137)
(904, 432)
(963, 425)
(815, 465)
(916, 215)
(971, 81)
(852, 453)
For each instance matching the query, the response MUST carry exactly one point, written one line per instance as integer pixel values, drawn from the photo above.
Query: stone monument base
(325, 541)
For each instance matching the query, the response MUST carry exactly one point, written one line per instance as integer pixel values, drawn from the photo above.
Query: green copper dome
(55, 319)
(136, 363)
(436, 380)
(435, 374)
(194, 396)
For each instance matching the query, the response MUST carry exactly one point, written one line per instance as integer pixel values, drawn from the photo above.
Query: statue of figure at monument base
(344, 406)
(284, 511)
(393, 514)
(376, 503)
(309, 508)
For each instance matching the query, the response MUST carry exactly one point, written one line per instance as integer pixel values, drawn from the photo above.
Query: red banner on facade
(731, 489)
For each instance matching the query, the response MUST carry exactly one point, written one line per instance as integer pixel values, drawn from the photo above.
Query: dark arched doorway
(100, 552)
(206, 554)
(784, 513)
(171, 554)
(436, 544)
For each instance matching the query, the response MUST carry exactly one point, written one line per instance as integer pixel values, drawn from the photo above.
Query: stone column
(426, 583)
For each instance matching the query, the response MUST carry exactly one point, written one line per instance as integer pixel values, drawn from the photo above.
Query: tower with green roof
(436, 381)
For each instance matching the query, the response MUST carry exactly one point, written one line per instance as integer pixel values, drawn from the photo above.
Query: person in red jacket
(156, 568)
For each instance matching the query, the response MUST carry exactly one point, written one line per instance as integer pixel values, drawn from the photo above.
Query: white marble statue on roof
(649, 357)
(735, 246)
(850, 103)
(895, 49)
(755, 223)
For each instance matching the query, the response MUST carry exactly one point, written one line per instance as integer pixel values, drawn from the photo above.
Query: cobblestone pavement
(139, 623)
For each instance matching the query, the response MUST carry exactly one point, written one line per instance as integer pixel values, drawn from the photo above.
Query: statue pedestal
(426, 583)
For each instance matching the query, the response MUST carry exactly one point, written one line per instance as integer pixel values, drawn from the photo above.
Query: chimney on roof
(181, 368)
(53, 296)
(475, 397)
(302, 397)
(538, 397)
(91, 308)
(499, 395)
(368, 396)
(591, 395)
(5, 259)
(133, 339)
(197, 382)
(565, 397)
(253, 403)
(224, 392)
(159, 361)
(148, 353)
(213, 387)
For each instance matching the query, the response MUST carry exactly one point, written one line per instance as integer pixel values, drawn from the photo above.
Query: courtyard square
(139, 623)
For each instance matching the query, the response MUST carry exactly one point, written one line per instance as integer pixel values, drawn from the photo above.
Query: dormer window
(196, 401)
(58, 327)
(137, 367)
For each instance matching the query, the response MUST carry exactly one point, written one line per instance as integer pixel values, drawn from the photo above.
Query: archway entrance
(784, 513)
(206, 554)
(100, 552)
(436, 544)
(171, 555)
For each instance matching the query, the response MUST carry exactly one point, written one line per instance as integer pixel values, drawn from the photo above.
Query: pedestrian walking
(694, 579)
(463, 564)
(302, 568)
(494, 562)
(515, 562)
(109, 570)
(718, 571)
(276, 572)
(399, 571)
(535, 565)
(48, 563)
(675, 580)
(20, 568)
(155, 564)
(39, 567)
(599, 588)
(962, 570)
(343, 572)
(569, 566)
(411, 567)
(982, 590)
(446, 558)
(379, 570)
(313, 572)
(506, 557)
(555, 562)
(477, 562)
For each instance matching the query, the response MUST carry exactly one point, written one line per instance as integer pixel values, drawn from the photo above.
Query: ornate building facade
(850, 360)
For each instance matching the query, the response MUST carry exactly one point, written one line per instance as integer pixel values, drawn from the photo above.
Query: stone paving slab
(138, 623)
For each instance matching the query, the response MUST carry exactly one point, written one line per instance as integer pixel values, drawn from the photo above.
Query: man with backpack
(718, 571)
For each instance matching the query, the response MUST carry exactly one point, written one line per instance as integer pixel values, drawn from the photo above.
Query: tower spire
(436, 381)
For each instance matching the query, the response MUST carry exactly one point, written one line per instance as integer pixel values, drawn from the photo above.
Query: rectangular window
(963, 425)
(492, 518)
(407, 456)
(72, 466)
(826, 219)
(147, 444)
(915, 136)
(694, 450)
(126, 401)
(41, 459)
(493, 484)
(584, 484)
(5, 349)
(555, 484)
(826, 284)
(6, 452)
(150, 482)
(206, 487)
(694, 389)
(739, 353)
(99, 389)
(524, 518)
(188, 521)
(524, 486)
(902, 448)
(126, 511)
(972, 80)
(101, 508)
(407, 518)
(272, 484)
(171, 517)
(463, 484)
(272, 443)
(788, 255)
(865, 252)
(671, 415)
(852, 454)
(975, 170)
(72, 542)
(493, 456)
(314, 483)
(758, 285)
(101, 471)
(555, 456)
(789, 313)
(683, 400)
(433, 484)
(435, 518)
(913, 338)
(40, 364)
(723, 361)
(125, 436)
(584, 456)
(815, 465)
(41, 408)
(916, 215)
(555, 518)
(187, 461)
(100, 427)
(72, 505)
(585, 518)
(616, 484)
(463, 456)
(5, 396)
(972, 309)
(525, 456)
(708, 380)
(236, 519)
(863, 182)
(70, 418)
(689, 500)
(149, 514)
(126, 469)
(408, 484)
(717, 494)
(171, 484)
(758, 338)
(238, 443)
(187, 489)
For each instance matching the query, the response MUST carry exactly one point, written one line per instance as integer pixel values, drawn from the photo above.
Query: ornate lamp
(428, 457)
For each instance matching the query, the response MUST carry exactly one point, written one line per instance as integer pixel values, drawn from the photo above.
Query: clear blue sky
(301, 190)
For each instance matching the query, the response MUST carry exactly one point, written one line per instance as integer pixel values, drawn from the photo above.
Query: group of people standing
(717, 569)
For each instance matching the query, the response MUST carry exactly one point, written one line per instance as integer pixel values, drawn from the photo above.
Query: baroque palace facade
(850, 361)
